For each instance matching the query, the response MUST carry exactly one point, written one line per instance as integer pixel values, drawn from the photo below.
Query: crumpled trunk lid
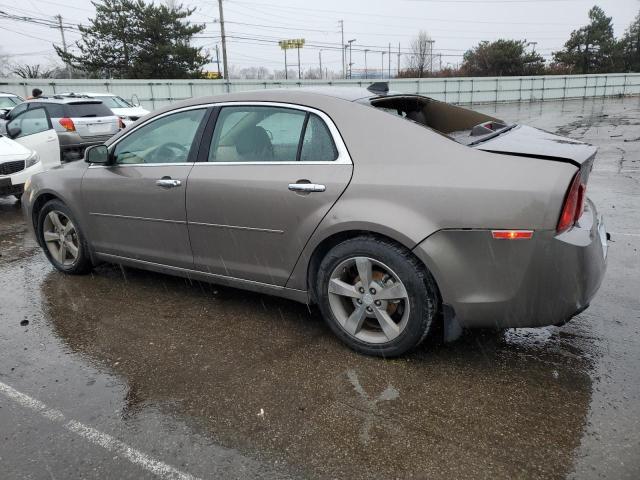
(525, 141)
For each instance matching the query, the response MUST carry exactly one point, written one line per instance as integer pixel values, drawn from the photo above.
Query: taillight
(67, 123)
(573, 206)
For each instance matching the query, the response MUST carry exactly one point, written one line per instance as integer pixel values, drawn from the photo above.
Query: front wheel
(376, 296)
(63, 241)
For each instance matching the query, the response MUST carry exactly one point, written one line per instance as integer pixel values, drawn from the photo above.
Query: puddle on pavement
(266, 377)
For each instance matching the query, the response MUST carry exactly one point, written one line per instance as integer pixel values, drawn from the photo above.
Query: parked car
(79, 122)
(359, 201)
(128, 112)
(7, 102)
(30, 147)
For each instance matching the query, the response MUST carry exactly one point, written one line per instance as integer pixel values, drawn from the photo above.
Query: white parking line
(96, 437)
(626, 234)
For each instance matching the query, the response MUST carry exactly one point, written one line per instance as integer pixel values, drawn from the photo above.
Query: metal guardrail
(462, 90)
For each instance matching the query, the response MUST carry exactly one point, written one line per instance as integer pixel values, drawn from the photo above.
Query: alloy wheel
(61, 238)
(368, 300)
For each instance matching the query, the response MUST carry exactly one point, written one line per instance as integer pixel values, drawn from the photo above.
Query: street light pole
(286, 67)
(382, 69)
(320, 58)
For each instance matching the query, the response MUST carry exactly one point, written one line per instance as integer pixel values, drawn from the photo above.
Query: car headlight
(32, 160)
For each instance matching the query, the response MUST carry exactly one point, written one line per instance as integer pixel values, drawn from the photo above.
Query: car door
(136, 205)
(266, 176)
(32, 128)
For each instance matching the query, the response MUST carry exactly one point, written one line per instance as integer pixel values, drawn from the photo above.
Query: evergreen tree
(630, 45)
(592, 48)
(134, 39)
(501, 58)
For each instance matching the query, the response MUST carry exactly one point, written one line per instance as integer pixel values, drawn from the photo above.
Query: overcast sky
(253, 25)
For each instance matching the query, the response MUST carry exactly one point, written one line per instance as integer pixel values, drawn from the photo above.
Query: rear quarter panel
(409, 182)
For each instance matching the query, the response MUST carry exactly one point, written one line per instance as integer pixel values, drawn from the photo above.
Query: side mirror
(98, 154)
(3, 114)
(13, 131)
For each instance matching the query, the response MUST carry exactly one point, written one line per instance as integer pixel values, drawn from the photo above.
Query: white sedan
(30, 146)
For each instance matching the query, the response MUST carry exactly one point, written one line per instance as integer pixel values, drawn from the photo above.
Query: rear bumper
(518, 283)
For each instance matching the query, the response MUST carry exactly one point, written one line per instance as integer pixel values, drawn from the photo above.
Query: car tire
(362, 316)
(74, 258)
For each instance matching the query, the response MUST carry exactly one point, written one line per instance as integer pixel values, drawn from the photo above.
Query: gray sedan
(396, 214)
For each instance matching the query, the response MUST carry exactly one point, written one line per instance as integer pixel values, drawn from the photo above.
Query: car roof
(63, 100)
(9, 94)
(89, 94)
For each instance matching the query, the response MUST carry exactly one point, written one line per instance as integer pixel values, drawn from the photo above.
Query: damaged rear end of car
(518, 272)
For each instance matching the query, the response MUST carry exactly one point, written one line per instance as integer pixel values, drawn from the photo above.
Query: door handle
(306, 187)
(168, 183)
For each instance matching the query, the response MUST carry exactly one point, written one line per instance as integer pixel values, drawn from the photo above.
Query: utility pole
(218, 60)
(299, 70)
(533, 46)
(366, 73)
(344, 73)
(398, 60)
(382, 69)
(225, 63)
(350, 62)
(389, 61)
(64, 42)
(431, 42)
(320, 58)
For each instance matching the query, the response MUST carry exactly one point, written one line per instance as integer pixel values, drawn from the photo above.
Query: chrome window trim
(343, 154)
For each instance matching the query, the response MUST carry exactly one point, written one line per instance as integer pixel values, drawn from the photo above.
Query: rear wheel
(376, 296)
(63, 241)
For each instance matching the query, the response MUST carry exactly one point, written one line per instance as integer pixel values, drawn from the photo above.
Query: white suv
(30, 146)
(128, 112)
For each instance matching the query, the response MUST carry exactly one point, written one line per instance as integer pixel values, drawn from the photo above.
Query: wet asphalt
(130, 375)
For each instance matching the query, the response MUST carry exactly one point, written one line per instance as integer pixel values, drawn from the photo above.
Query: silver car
(79, 122)
(395, 214)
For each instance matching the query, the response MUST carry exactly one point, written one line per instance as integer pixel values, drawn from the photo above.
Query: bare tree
(420, 58)
(33, 71)
(4, 64)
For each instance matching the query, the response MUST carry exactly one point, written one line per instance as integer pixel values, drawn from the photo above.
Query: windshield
(113, 102)
(9, 102)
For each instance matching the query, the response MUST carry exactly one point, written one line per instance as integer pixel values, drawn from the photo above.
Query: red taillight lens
(573, 204)
(68, 125)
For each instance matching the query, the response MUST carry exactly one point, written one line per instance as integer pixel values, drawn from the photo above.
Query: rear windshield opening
(460, 124)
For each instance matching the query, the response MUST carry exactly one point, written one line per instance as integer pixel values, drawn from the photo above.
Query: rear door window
(257, 134)
(317, 145)
(88, 109)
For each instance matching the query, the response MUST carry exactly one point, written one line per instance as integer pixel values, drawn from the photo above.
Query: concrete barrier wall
(465, 90)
